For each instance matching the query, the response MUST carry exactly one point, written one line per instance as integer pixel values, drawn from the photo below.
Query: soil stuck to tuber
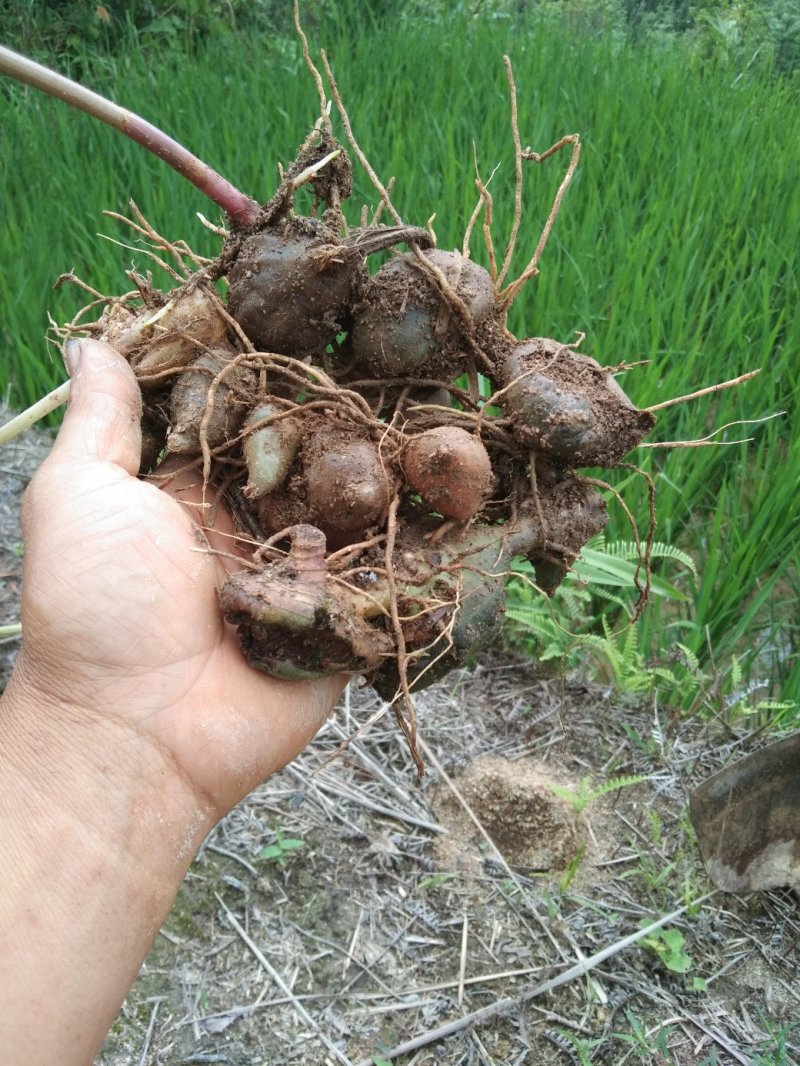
(387, 447)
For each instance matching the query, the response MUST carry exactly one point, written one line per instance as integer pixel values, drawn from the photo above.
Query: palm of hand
(122, 622)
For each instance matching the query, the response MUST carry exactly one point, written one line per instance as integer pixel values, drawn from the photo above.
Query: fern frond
(626, 549)
(581, 799)
(617, 783)
(692, 660)
(736, 673)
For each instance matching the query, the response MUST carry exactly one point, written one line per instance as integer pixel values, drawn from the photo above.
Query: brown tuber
(567, 405)
(404, 327)
(272, 437)
(284, 301)
(348, 489)
(451, 471)
(291, 290)
(211, 397)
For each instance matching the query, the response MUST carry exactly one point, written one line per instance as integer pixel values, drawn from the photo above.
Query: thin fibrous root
(510, 293)
(351, 140)
(707, 442)
(485, 201)
(645, 562)
(179, 250)
(73, 279)
(376, 215)
(315, 74)
(407, 725)
(643, 557)
(512, 240)
(703, 392)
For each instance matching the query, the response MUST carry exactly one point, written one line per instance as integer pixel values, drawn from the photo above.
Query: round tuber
(451, 471)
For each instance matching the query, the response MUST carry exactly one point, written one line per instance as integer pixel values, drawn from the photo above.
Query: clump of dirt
(515, 802)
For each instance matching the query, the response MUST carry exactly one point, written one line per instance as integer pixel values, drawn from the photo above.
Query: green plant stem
(239, 208)
(34, 413)
(10, 631)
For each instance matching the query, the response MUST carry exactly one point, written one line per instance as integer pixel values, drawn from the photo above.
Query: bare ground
(396, 915)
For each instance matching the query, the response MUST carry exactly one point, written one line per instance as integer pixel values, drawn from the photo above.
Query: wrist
(98, 771)
(95, 838)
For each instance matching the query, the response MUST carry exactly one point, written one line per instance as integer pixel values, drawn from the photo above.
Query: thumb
(103, 419)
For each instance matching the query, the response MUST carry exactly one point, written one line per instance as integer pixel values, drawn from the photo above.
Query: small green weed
(387, 1038)
(579, 1049)
(280, 850)
(437, 880)
(601, 587)
(604, 573)
(656, 826)
(646, 745)
(775, 1050)
(669, 945)
(646, 1047)
(571, 869)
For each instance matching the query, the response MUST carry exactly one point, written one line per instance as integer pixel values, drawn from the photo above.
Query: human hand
(130, 725)
(122, 631)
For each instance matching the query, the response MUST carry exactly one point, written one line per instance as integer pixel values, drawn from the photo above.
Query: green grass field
(679, 243)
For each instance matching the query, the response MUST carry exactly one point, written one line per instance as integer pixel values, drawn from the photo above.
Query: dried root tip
(373, 238)
(166, 337)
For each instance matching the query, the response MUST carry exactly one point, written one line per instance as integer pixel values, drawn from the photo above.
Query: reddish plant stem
(239, 208)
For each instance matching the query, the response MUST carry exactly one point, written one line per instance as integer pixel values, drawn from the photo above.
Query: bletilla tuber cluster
(388, 447)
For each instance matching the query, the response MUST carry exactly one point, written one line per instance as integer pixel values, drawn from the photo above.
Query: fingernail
(72, 355)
